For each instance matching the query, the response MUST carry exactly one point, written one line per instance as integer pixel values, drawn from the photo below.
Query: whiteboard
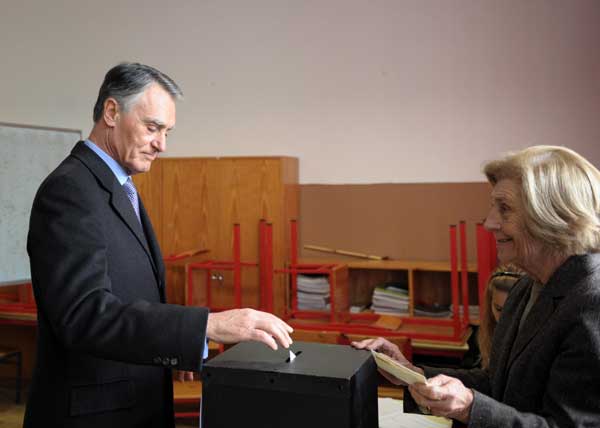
(27, 155)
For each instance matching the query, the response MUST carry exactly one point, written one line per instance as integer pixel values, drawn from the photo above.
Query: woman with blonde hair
(544, 368)
(499, 285)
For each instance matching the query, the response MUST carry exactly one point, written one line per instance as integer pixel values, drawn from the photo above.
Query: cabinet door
(243, 191)
(199, 201)
(184, 221)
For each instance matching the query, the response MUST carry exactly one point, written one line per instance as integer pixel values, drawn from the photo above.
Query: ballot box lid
(313, 359)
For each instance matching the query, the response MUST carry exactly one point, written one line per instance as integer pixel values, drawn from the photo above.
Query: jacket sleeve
(472, 378)
(68, 247)
(572, 394)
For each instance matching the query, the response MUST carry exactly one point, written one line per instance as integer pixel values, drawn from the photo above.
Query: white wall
(361, 91)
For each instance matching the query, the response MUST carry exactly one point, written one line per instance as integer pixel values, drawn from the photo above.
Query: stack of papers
(434, 311)
(313, 292)
(473, 311)
(390, 298)
(391, 415)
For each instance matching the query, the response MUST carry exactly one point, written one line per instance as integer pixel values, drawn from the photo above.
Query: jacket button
(174, 361)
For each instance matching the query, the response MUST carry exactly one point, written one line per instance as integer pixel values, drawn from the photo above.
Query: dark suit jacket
(106, 339)
(547, 374)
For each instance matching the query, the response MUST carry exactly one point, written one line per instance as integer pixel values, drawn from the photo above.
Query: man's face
(140, 134)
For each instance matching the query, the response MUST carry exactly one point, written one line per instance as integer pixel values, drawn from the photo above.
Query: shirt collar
(114, 166)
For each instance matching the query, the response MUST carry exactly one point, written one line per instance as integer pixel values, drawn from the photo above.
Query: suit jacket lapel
(124, 209)
(505, 336)
(565, 280)
(152, 244)
(541, 310)
(508, 342)
(118, 199)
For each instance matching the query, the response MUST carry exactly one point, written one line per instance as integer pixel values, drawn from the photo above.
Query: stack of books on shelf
(390, 298)
(473, 311)
(313, 292)
(433, 310)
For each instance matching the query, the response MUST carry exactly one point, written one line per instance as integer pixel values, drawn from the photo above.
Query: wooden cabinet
(194, 202)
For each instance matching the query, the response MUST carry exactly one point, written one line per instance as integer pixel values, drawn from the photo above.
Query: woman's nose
(492, 221)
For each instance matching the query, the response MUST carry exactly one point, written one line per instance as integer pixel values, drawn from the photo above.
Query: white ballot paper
(292, 356)
(391, 415)
(394, 367)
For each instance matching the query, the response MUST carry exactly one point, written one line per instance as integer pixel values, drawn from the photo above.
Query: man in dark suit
(107, 341)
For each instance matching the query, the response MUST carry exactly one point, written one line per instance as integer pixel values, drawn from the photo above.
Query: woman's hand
(444, 396)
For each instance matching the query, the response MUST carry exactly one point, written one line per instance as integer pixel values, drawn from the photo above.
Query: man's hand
(388, 348)
(239, 325)
(444, 396)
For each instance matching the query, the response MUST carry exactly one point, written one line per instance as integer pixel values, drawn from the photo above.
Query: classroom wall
(399, 221)
(380, 91)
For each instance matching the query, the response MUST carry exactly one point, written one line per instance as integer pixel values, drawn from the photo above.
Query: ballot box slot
(290, 360)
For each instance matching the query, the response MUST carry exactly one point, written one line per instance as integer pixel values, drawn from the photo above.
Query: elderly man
(107, 340)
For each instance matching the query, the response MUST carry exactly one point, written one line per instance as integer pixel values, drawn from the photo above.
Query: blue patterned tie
(133, 196)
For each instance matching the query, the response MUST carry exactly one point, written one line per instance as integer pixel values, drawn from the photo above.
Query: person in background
(544, 368)
(499, 285)
(107, 341)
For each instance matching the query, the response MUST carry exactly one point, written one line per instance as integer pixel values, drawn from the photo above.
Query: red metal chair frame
(236, 266)
(305, 268)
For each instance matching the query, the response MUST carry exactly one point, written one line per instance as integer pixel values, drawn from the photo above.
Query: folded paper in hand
(400, 371)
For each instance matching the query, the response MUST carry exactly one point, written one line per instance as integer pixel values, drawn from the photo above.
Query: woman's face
(507, 222)
(498, 300)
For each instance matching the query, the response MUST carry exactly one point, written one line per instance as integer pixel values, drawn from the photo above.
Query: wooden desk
(443, 348)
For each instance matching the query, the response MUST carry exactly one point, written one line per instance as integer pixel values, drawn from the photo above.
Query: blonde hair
(560, 191)
(502, 279)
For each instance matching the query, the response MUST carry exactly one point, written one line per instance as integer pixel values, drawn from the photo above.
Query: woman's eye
(503, 208)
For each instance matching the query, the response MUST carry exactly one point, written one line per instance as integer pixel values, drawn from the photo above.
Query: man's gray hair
(126, 81)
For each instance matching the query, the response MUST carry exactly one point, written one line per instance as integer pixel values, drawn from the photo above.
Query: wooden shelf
(428, 283)
(434, 266)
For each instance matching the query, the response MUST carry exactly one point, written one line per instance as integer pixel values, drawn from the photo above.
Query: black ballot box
(250, 385)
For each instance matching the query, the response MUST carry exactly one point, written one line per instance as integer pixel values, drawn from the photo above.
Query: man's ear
(111, 112)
